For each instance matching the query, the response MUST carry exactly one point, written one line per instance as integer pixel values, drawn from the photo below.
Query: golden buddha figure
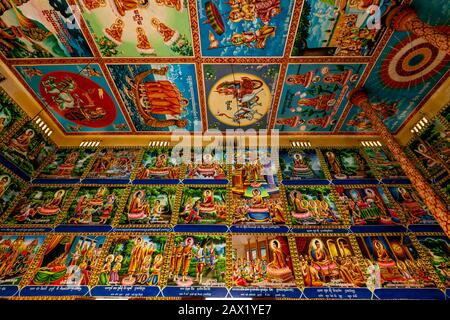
(122, 6)
(278, 269)
(114, 33)
(143, 44)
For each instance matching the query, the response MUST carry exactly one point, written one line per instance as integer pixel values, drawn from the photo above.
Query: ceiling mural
(238, 95)
(233, 28)
(78, 96)
(339, 28)
(40, 29)
(407, 70)
(314, 96)
(152, 66)
(132, 28)
(159, 97)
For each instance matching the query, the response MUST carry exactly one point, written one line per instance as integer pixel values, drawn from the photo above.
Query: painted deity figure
(22, 142)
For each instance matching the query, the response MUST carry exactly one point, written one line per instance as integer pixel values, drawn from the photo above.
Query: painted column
(438, 208)
(404, 18)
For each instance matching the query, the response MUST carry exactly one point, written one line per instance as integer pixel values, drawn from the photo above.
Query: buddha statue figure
(320, 258)
(381, 252)
(53, 206)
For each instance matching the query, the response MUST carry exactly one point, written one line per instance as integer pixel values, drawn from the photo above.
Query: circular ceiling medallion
(77, 99)
(410, 62)
(239, 99)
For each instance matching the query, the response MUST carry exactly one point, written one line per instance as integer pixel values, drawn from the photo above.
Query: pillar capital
(358, 96)
(400, 17)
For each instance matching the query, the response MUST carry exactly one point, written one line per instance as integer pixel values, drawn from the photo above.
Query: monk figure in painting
(278, 260)
(186, 257)
(163, 97)
(22, 142)
(138, 204)
(135, 257)
(114, 33)
(162, 29)
(143, 44)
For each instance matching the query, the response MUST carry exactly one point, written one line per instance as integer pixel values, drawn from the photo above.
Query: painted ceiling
(152, 66)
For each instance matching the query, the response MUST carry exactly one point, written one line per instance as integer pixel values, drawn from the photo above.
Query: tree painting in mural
(94, 205)
(300, 165)
(198, 261)
(438, 251)
(347, 163)
(67, 163)
(205, 205)
(149, 205)
(39, 205)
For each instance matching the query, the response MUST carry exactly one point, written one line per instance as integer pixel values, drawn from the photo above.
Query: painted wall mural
(384, 162)
(116, 163)
(300, 164)
(395, 262)
(239, 95)
(158, 164)
(40, 205)
(15, 266)
(10, 113)
(149, 205)
(241, 28)
(28, 148)
(78, 97)
(198, 261)
(40, 29)
(437, 249)
(67, 163)
(314, 96)
(414, 209)
(139, 28)
(94, 205)
(10, 187)
(432, 149)
(339, 28)
(406, 71)
(69, 261)
(368, 205)
(347, 163)
(159, 97)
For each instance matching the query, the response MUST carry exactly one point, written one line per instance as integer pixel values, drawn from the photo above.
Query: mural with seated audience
(157, 163)
(149, 205)
(313, 206)
(206, 165)
(329, 261)
(262, 261)
(94, 205)
(368, 205)
(203, 205)
(40, 205)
